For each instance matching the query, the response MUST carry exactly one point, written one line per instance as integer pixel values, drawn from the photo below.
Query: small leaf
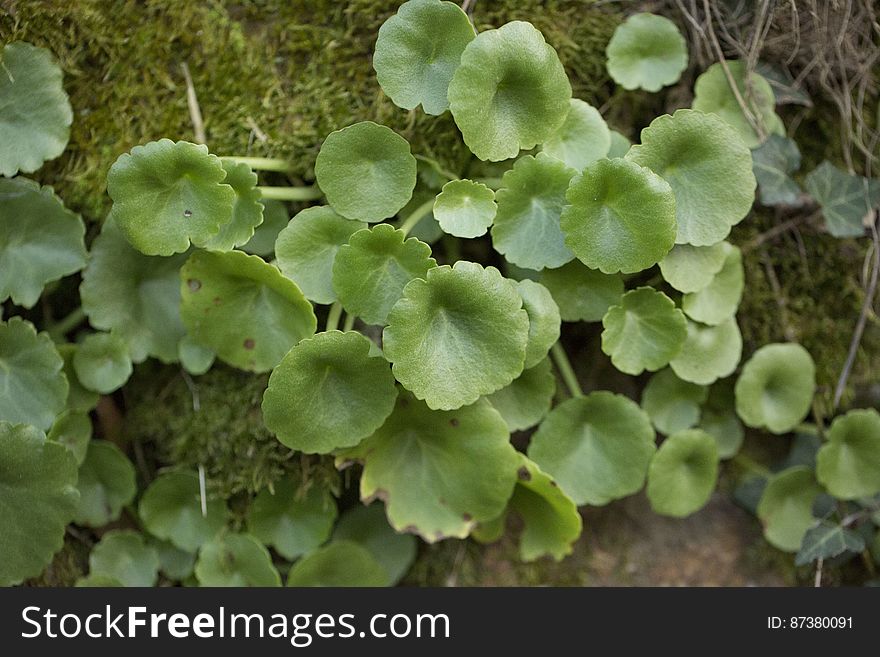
(247, 210)
(644, 332)
(79, 399)
(307, 247)
(620, 217)
(444, 325)
(509, 93)
(775, 388)
(102, 363)
(342, 563)
(195, 358)
(73, 429)
(527, 399)
(582, 294)
(418, 50)
(672, 404)
(646, 52)
(691, 268)
(826, 541)
(620, 145)
(123, 555)
(582, 139)
(719, 419)
(709, 353)
(786, 507)
(544, 320)
(846, 200)
(683, 473)
(368, 527)
(370, 272)
(848, 465)
(275, 218)
(366, 171)
(718, 301)
(596, 447)
(465, 208)
(774, 161)
(167, 194)
(106, 484)
(175, 563)
(236, 560)
(243, 308)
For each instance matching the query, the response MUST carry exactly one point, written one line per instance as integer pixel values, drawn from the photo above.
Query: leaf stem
(747, 463)
(416, 216)
(311, 193)
(349, 322)
(333, 317)
(434, 164)
(59, 329)
(563, 365)
(261, 163)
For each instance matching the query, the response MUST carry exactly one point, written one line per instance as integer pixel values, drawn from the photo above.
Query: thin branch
(195, 113)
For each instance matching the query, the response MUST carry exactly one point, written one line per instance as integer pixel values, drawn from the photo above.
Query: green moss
(68, 565)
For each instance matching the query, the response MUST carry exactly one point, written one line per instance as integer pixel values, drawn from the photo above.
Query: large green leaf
(247, 210)
(123, 555)
(596, 447)
(509, 92)
(774, 161)
(36, 114)
(691, 268)
(582, 294)
(37, 499)
(582, 139)
(826, 541)
(368, 527)
(243, 308)
(786, 507)
(465, 208)
(646, 52)
(328, 392)
(672, 404)
(442, 327)
(40, 239)
(709, 353)
(528, 398)
(340, 564)
(848, 465)
(717, 302)
(846, 199)
(102, 362)
(236, 560)
(106, 484)
(544, 320)
(683, 473)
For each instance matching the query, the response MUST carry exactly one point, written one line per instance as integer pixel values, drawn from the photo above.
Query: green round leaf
(438, 472)
(102, 363)
(167, 194)
(691, 268)
(366, 171)
(544, 320)
(442, 327)
(73, 429)
(171, 510)
(106, 484)
(32, 387)
(417, 52)
(36, 117)
(370, 272)
(247, 210)
(342, 563)
(195, 358)
(720, 421)
(79, 399)
(530, 200)
(175, 563)
(40, 240)
(582, 294)
(275, 218)
(709, 353)
(672, 404)
(236, 560)
(848, 465)
(596, 447)
(465, 208)
(509, 93)
(123, 555)
(646, 52)
(527, 399)
(786, 507)
(368, 527)
(708, 167)
(717, 302)
(620, 217)
(683, 473)
(582, 139)
(37, 499)
(307, 247)
(327, 393)
(775, 388)
(243, 308)
(644, 332)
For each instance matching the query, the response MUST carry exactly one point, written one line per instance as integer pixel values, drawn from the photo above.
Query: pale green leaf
(582, 139)
(106, 484)
(275, 218)
(709, 353)
(691, 268)
(247, 210)
(683, 473)
(102, 363)
(527, 399)
(786, 507)
(465, 208)
(672, 404)
(646, 52)
(123, 555)
(73, 429)
(339, 564)
(848, 465)
(544, 320)
(717, 302)
(236, 560)
(582, 294)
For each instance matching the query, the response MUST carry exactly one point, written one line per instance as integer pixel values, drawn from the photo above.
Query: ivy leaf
(775, 388)
(527, 399)
(683, 473)
(691, 268)
(646, 52)
(530, 201)
(275, 218)
(236, 560)
(620, 217)
(37, 499)
(327, 393)
(418, 50)
(709, 353)
(786, 507)
(79, 398)
(167, 194)
(171, 510)
(848, 465)
(672, 404)
(438, 472)
(370, 272)
(123, 555)
(442, 326)
(826, 541)
(544, 320)
(243, 308)
(509, 93)
(247, 210)
(134, 296)
(368, 527)
(846, 200)
(582, 294)
(644, 332)
(774, 161)
(194, 358)
(307, 247)
(341, 563)
(36, 117)
(582, 139)
(73, 429)
(32, 387)
(719, 419)
(355, 163)
(40, 240)
(102, 363)
(596, 447)
(718, 301)
(106, 484)
(708, 167)
(465, 208)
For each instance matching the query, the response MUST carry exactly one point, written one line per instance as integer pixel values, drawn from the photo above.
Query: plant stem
(751, 465)
(807, 428)
(60, 328)
(434, 164)
(417, 215)
(563, 365)
(261, 163)
(333, 317)
(491, 183)
(349, 322)
(312, 193)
